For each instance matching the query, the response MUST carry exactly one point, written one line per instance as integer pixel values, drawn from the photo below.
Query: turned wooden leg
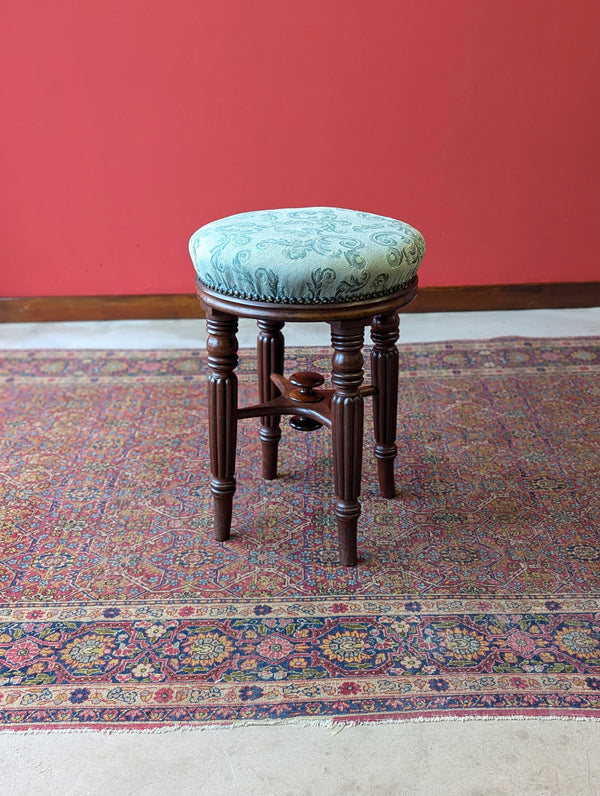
(347, 427)
(384, 374)
(270, 352)
(222, 349)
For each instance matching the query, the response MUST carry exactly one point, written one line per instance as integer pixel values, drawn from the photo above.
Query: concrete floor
(469, 758)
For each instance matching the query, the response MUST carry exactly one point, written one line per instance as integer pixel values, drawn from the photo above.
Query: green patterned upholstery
(310, 255)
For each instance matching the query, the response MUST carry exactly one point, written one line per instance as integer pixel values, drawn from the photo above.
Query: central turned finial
(305, 381)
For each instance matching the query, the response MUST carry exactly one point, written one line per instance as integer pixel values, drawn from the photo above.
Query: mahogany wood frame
(341, 408)
(430, 299)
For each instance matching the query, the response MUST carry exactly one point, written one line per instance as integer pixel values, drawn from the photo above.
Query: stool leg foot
(270, 353)
(347, 427)
(222, 348)
(384, 374)
(347, 521)
(223, 510)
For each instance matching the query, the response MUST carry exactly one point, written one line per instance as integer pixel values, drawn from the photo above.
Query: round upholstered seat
(310, 255)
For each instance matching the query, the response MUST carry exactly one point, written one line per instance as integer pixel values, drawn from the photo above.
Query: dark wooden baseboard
(100, 308)
(537, 296)
(429, 299)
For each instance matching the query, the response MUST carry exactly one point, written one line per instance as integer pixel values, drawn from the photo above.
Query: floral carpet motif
(477, 593)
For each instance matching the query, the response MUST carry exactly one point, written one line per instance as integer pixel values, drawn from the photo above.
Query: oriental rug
(477, 593)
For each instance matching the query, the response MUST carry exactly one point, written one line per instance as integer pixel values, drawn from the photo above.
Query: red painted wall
(126, 124)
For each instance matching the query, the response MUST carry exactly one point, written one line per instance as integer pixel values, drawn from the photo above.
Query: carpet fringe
(335, 725)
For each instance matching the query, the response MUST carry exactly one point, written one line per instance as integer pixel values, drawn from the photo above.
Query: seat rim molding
(265, 310)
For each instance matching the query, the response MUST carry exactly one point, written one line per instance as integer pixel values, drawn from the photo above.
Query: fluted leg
(347, 427)
(222, 349)
(384, 374)
(270, 352)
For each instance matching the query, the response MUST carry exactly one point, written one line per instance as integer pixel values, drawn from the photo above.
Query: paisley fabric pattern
(310, 255)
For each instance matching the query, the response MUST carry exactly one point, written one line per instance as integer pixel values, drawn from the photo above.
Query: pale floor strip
(190, 333)
(449, 758)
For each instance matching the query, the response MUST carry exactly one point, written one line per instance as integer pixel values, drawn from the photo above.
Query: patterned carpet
(478, 591)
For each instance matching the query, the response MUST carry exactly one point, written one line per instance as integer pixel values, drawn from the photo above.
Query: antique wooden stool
(348, 268)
